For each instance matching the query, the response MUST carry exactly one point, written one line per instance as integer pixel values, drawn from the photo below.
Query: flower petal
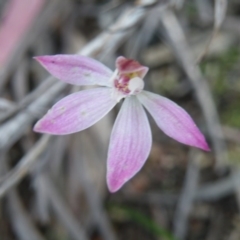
(173, 120)
(125, 65)
(76, 112)
(130, 144)
(76, 69)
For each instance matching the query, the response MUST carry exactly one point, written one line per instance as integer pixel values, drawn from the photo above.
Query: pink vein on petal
(130, 144)
(173, 120)
(76, 112)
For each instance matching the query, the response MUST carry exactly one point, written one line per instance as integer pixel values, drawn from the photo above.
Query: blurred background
(54, 187)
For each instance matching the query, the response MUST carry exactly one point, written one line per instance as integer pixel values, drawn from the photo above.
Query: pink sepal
(130, 144)
(125, 65)
(76, 112)
(76, 69)
(173, 120)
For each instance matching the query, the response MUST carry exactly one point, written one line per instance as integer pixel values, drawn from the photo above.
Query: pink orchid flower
(131, 137)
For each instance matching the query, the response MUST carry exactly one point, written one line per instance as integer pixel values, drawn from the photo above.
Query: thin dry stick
(236, 180)
(144, 35)
(207, 192)
(6, 105)
(220, 9)
(52, 163)
(208, 45)
(24, 165)
(205, 12)
(217, 190)
(179, 3)
(19, 83)
(112, 37)
(178, 40)
(14, 128)
(21, 221)
(41, 199)
(35, 94)
(57, 154)
(62, 211)
(186, 200)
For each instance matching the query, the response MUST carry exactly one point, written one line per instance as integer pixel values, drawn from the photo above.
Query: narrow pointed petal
(130, 144)
(125, 65)
(76, 112)
(173, 120)
(76, 69)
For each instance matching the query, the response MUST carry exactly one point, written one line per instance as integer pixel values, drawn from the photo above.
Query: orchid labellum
(131, 137)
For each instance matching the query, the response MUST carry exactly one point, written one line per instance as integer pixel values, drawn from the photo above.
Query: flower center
(127, 84)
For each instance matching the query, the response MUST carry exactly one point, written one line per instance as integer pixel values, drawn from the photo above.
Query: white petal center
(135, 85)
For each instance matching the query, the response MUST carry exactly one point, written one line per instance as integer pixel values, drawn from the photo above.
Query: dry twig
(21, 221)
(62, 211)
(186, 200)
(24, 165)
